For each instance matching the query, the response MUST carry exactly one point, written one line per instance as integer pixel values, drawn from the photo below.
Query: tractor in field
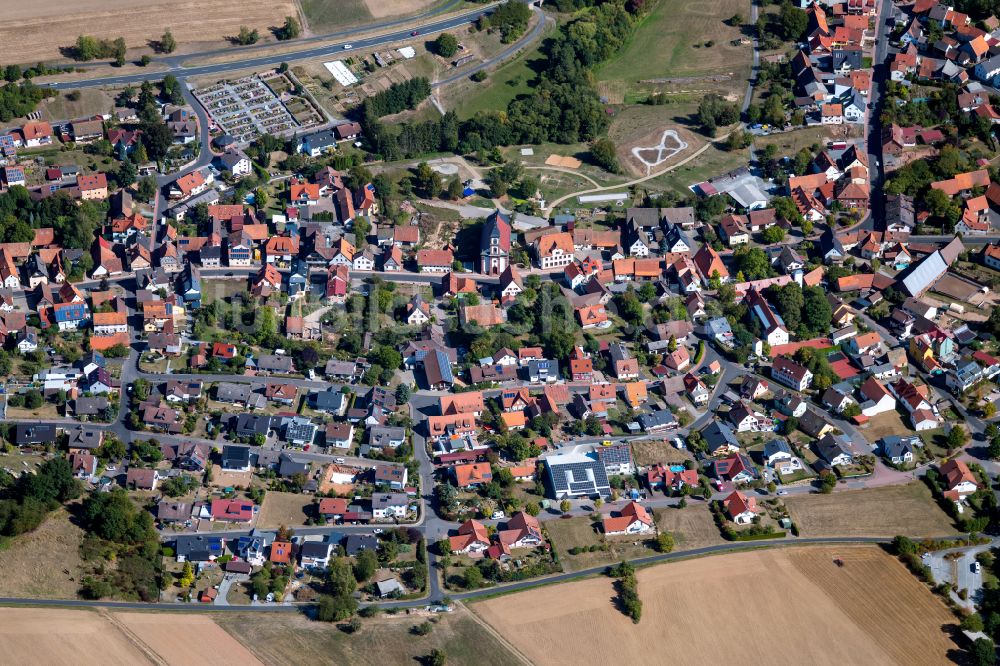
(839, 562)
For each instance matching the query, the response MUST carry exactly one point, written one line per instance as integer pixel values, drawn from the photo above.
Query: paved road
(266, 61)
(874, 127)
(413, 603)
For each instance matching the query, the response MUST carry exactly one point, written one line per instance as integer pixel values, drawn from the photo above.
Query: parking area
(960, 568)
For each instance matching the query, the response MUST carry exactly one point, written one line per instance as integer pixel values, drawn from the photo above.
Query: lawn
(692, 527)
(715, 161)
(582, 533)
(790, 143)
(502, 85)
(888, 423)
(670, 42)
(292, 639)
(647, 452)
(287, 509)
(887, 511)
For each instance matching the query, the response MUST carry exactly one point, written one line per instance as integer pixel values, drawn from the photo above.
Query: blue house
(191, 286)
(298, 280)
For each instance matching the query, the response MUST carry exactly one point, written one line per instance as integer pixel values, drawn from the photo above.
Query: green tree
(473, 578)
(664, 542)
(565, 506)
(446, 45)
(365, 565)
(290, 30)
(773, 235)
(957, 437)
(455, 189)
(604, 155)
(187, 576)
(167, 42)
(984, 652)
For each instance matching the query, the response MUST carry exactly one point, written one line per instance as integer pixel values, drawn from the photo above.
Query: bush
(479, 76)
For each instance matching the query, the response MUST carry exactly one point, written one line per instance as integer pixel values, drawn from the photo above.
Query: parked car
(976, 567)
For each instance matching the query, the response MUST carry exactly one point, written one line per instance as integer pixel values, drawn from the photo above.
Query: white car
(976, 567)
(498, 515)
(377, 530)
(339, 461)
(347, 47)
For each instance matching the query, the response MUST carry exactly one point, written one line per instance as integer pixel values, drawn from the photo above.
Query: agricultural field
(44, 563)
(57, 636)
(322, 16)
(887, 511)
(34, 31)
(287, 509)
(871, 610)
(290, 640)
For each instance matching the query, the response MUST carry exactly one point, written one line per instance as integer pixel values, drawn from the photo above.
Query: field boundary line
(133, 638)
(497, 635)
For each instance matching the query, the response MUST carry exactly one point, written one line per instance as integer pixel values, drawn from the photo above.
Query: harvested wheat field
(788, 606)
(887, 511)
(77, 637)
(33, 31)
(159, 633)
(57, 637)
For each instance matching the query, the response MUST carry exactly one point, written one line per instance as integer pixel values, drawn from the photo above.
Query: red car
(414, 33)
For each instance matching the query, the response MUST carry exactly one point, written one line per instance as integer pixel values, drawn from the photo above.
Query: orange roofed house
(554, 250)
(633, 519)
(473, 475)
(472, 539)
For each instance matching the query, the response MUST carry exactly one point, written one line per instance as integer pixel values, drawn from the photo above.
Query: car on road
(782, 493)
(976, 567)
(348, 47)
(377, 530)
(339, 461)
(414, 33)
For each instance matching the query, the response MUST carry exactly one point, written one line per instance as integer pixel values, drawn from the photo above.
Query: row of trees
(91, 48)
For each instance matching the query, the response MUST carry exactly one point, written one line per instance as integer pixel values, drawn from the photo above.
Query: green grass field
(502, 85)
(325, 15)
(671, 40)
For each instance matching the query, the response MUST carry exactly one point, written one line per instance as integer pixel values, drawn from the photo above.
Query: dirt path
(134, 640)
(500, 637)
(562, 170)
(554, 204)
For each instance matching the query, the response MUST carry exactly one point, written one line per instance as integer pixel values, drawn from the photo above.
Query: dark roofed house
(235, 458)
(30, 434)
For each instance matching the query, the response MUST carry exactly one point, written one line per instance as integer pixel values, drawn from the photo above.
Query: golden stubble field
(790, 606)
(72, 637)
(36, 30)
